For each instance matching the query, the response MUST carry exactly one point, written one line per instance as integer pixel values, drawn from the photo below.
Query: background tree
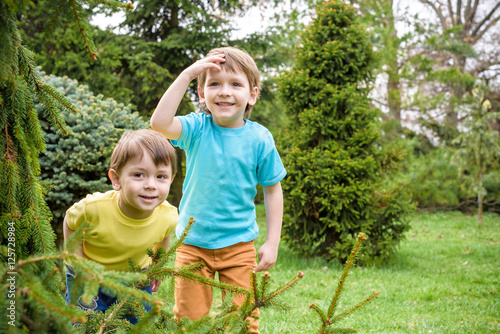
(380, 19)
(328, 147)
(454, 53)
(479, 145)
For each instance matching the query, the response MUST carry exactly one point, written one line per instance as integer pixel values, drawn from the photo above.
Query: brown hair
(236, 60)
(133, 144)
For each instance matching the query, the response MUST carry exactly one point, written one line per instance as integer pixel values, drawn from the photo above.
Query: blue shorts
(101, 302)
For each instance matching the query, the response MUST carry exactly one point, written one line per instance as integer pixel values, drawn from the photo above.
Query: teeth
(224, 104)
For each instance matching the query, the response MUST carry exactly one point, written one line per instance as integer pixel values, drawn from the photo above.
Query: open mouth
(224, 104)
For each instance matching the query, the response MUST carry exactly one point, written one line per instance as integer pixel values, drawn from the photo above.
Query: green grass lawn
(444, 279)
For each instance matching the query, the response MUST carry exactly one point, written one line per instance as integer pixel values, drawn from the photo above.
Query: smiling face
(226, 94)
(142, 185)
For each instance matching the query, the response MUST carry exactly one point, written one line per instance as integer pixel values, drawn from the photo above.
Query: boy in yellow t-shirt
(125, 222)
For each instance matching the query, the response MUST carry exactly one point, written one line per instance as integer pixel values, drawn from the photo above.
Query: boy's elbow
(154, 124)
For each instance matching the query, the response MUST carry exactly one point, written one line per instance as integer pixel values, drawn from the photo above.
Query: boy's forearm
(163, 117)
(164, 243)
(273, 199)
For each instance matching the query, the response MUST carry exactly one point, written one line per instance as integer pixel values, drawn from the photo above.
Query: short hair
(133, 144)
(236, 60)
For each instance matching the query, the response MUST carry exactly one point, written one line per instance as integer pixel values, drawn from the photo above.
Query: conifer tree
(329, 149)
(34, 300)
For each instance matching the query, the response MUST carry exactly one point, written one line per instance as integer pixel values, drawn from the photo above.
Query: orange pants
(234, 265)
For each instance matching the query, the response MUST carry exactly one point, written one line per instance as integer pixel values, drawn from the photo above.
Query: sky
(256, 19)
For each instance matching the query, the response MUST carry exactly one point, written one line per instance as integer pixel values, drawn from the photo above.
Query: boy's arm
(163, 119)
(155, 284)
(268, 253)
(67, 232)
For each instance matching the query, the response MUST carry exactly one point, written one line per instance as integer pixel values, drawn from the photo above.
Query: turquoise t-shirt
(223, 168)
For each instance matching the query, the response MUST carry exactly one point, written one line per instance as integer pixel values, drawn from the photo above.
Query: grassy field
(444, 279)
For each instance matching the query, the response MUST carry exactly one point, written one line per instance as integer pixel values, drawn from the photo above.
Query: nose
(150, 184)
(224, 90)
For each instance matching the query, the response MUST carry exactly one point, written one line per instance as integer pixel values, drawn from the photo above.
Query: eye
(138, 174)
(162, 177)
(213, 84)
(237, 84)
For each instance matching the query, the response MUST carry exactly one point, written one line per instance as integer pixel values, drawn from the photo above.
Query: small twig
(111, 316)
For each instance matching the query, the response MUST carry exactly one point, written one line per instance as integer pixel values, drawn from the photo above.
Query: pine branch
(12, 176)
(346, 313)
(84, 29)
(112, 3)
(43, 300)
(8, 37)
(265, 281)
(327, 319)
(262, 302)
(111, 316)
(322, 315)
(349, 263)
(75, 238)
(190, 276)
(138, 328)
(55, 18)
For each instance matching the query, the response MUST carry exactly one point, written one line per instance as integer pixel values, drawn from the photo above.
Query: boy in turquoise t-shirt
(226, 157)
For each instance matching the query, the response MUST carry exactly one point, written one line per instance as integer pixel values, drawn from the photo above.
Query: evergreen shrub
(334, 187)
(76, 164)
(435, 183)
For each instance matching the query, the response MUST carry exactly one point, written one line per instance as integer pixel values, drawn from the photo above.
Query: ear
(201, 94)
(115, 180)
(254, 93)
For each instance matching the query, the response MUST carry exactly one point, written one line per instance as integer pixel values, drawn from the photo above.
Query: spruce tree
(27, 252)
(332, 190)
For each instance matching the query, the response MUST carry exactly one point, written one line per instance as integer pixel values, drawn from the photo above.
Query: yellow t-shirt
(112, 238)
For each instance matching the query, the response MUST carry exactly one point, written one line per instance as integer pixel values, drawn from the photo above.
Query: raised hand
(204, 64)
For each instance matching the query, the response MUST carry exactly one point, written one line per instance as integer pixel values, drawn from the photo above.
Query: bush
(435, 183)
(76, 164)
(333, 189)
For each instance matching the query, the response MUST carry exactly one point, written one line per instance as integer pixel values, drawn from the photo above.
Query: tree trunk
(393, 85)
(394, 94)
(480, 198)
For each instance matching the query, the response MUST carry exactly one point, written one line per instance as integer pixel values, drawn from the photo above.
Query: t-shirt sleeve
(172, 219)
(75, 215)
(270, 170)
(191, 126)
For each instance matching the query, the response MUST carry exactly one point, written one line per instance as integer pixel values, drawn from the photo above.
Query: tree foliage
(329, 151)
(26, 233)
(479, 145)
(451, 54)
